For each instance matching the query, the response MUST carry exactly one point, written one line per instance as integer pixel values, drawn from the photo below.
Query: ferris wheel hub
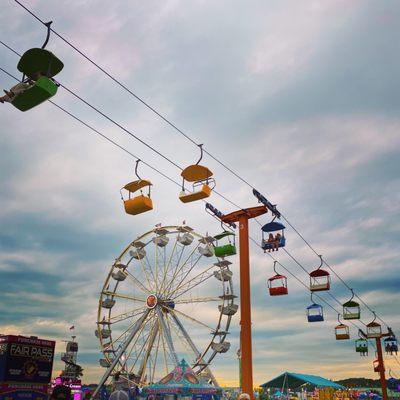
(151, 301)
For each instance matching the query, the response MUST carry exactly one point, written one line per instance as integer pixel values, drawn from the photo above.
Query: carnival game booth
(26, 364)
(181, 383)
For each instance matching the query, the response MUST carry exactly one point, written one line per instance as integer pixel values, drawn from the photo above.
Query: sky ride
(150, 307)
(343, 312)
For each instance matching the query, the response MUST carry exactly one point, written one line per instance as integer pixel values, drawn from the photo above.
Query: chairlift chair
(137, 204)
(351, 309)
(202, 180)
(391, 345)
(377, 366)
(277, 284)
(320, 279)
(315, 312)
(268, 228)
(362, 346)
(41, 66)
(342, 331)
(226, 249)
(374, 329)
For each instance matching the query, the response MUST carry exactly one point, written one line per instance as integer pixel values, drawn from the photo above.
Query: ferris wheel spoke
(138, 356)
(174, 310)
(140, 335)
(123, 296)
(152, 338)
(140, 285)
(178, 269)
(195, 281)
(181, 282)
(167, 265)
(124, 332)
(153, 371)
(144, 270)
(130, 314)
(164, 347)
(197, 300)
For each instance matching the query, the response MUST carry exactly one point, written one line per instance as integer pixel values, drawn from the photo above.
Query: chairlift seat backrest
(42, 61)
(42, 90)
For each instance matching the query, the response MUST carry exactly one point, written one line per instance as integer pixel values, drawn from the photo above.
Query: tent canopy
(294, 381)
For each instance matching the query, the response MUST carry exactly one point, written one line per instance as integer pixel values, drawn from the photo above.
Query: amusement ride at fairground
(145, 321)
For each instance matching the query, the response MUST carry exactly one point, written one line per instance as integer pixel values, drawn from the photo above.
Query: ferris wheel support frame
(167, 333)
(121, 351)
(193, 346)
(242, 217)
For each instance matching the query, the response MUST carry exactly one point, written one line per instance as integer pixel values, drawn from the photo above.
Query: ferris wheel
(167, 297)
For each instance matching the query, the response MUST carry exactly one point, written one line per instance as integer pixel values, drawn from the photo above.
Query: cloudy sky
(301, 98)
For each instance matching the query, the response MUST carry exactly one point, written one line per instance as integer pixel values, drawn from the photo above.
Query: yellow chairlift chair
(202, 180)
(140, 203)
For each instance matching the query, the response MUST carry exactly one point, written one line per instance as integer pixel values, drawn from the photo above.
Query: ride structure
(38, 67)
(72, 372)
(147, 307)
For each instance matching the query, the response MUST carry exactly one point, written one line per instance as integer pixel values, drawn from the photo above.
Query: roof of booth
(294, 380)
(182, 380)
